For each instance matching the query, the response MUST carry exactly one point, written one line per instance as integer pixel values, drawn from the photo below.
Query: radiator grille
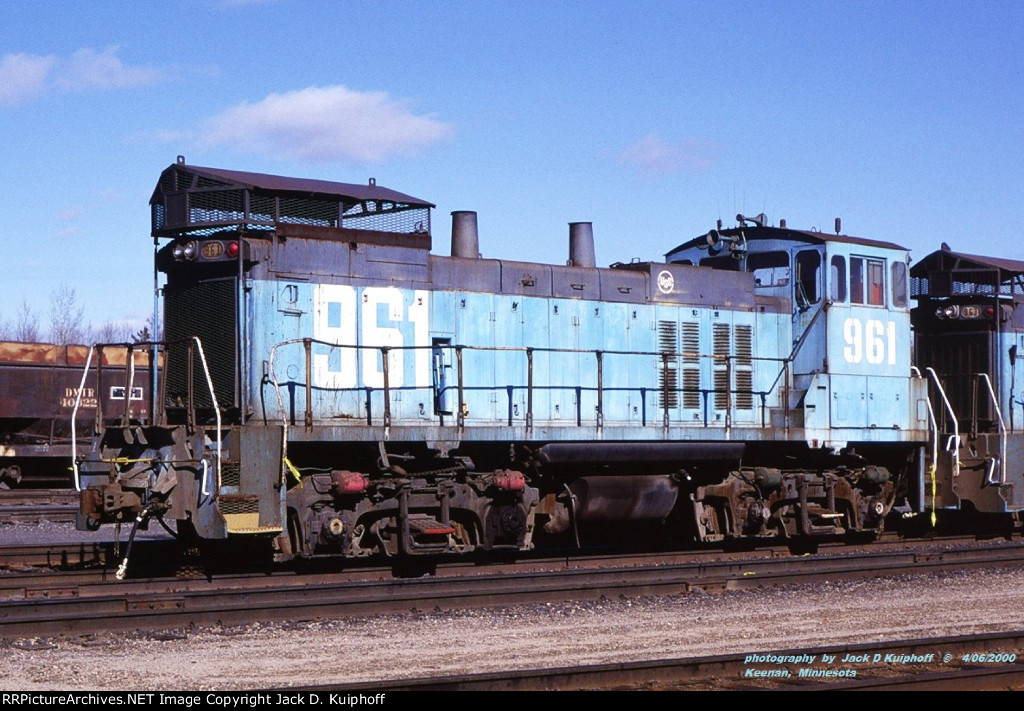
(208, 310)
(954, 358)
(201, 204)
(389, 217)
(216, 206)
(309, 211)
(262, 208)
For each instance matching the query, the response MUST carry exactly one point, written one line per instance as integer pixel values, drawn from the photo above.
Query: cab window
(899, 284)
(867, 281)
(769, 268)
(725, 262)
(837, 279)
(808, 265)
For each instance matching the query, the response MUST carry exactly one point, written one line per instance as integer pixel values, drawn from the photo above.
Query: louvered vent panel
(722, 350)
(744, 367)
(668, 380)
(691, 365)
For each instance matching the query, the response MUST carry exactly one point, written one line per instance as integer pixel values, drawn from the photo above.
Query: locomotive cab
(851, 396)
(848, 339)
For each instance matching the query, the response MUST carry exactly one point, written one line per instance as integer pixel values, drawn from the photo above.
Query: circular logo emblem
(665, 281)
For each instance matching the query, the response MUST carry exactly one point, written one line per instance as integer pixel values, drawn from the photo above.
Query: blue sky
(650, 119)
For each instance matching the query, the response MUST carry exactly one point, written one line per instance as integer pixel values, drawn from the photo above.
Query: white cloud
(89, 69)
(323, 124)
(23, 77)
(655, 156)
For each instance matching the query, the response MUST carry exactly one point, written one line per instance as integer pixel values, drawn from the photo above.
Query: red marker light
(990, 311)
(231, 249)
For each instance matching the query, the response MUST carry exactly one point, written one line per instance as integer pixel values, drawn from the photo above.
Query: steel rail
(299, 597)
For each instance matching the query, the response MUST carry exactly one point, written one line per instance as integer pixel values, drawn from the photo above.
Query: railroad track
(38, 505)
(54, 606)
(157, 547)
(164, 556)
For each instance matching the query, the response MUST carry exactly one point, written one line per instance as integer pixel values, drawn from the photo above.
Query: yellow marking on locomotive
(294, 472)
(934, 517)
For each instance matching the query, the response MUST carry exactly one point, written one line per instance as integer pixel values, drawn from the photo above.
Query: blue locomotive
(969, 329)
(332, 386)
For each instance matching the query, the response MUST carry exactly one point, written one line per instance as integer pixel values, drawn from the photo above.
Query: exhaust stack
(465, 240)
(581, 245)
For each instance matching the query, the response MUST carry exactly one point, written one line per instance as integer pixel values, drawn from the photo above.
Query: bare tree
(112, 332)
(66, 316)
(26, 323)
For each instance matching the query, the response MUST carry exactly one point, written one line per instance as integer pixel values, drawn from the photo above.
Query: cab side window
(837, 279)
(899, 284)
(769, 268)
(808, 266)
(867, 281)
(876, 282)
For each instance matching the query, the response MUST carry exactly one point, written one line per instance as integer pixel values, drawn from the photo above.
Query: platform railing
(598, 388)
(126, 419)
(983, 377)
(97, 351)
(953, 443)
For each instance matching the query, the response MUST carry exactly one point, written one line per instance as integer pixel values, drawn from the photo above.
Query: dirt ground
(418, 644)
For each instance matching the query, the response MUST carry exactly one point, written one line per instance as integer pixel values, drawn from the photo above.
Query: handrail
(601, 389)
(126, 413)
(1002, 432)
(74, 414)
(931, 418)
(202, 486)
(935, 445)
(791, 358)
(216, 407)
(953, 440)
(949, 409)
(280, 400)
(129, 384)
